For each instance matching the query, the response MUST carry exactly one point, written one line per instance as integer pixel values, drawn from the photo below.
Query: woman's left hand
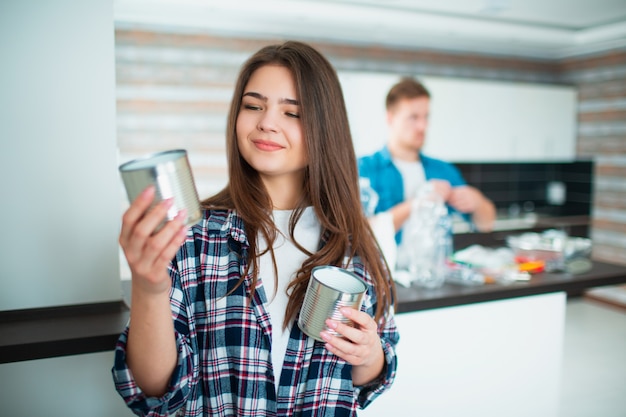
(360, 345)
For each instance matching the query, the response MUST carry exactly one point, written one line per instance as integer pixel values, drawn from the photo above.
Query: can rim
(127, 166)
(342, 270)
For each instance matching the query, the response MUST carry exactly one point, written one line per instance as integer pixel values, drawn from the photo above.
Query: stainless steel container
(329, 289)
(170, 173)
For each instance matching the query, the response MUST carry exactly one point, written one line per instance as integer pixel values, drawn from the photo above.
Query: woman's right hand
(148, 253)
(151, 346)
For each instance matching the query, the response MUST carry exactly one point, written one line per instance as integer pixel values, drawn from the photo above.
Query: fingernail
(147, 191)
(168, 202)
(182, 215)
(325, 335)
(331, 324)
(345, 311)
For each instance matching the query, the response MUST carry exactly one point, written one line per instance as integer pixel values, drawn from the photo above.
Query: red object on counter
(532, 267)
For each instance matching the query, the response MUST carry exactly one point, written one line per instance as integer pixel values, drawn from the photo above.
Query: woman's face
(269, 130)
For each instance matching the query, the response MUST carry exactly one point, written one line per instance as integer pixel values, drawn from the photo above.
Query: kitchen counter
(60, 331)
(416, 298)
(52, 332)
(572, 225)
(484, 350)
(525, 222)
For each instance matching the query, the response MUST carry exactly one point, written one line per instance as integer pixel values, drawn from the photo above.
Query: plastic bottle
(428, 239)
(369, 196)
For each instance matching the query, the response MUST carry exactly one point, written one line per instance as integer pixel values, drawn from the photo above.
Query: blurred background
(512, 82)
(529, 101)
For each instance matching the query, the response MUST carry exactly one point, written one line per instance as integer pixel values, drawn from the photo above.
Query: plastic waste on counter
(479, 265)
(427, 240)
(525, 255)
(476, 265)
(557, 250)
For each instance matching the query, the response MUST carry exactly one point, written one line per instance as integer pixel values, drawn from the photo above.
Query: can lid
(151, 160)
(339, 279)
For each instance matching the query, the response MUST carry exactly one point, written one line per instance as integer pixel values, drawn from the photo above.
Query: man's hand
(465, 199)
(443, 188)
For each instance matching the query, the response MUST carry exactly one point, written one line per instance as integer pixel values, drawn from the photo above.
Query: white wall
(58, 159)
(73, 386)
(60, 192)
(70, 386)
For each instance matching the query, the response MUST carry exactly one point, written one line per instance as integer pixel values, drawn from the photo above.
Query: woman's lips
(266, 145)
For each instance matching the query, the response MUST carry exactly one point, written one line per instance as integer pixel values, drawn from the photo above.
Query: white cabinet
(495, 121)
(470, 120)
(491, 359)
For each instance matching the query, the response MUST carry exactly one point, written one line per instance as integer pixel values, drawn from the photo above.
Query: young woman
(214, 331)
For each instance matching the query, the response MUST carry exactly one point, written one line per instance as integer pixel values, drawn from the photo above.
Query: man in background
(400, 169)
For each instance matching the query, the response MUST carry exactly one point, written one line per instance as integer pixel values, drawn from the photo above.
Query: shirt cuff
(136, 399)
(365, 394)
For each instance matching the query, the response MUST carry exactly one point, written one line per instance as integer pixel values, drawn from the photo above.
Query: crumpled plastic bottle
(427, 239)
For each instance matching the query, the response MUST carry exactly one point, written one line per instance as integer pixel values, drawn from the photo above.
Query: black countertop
(416, 298)
(52, 332)
(572, 225)
(60, 331)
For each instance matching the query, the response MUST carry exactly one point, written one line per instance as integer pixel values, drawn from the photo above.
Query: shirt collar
(386, 155)
(228, 223)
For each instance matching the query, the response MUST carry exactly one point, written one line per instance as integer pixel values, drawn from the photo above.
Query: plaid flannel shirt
(224, 362)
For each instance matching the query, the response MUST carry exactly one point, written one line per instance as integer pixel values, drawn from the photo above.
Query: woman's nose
(268, 122)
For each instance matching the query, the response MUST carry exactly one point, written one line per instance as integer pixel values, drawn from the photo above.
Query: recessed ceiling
(570, 14)
(548, 29)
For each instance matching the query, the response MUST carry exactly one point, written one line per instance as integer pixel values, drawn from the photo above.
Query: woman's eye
(251, 107)
(292, 114)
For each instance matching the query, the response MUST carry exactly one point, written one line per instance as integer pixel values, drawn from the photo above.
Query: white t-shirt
(288, 260)
(413, 176)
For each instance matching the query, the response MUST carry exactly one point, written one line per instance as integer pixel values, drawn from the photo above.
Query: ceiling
(546, 29)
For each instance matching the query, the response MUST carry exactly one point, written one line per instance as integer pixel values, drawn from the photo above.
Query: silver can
(170, 173)
(329, 289)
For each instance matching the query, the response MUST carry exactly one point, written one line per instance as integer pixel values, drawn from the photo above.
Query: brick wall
(173, 91)
(601, 80)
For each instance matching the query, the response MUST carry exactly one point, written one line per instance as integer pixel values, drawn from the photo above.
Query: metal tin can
(329, 289)
(170, 173)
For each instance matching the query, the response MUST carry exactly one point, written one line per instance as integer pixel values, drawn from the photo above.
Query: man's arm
(485, 215)
(467, 199)
(400, 213)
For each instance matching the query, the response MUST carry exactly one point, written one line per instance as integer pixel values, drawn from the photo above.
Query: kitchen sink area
(526, 221)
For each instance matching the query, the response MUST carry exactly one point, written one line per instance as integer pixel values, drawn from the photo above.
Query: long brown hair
(330, 179)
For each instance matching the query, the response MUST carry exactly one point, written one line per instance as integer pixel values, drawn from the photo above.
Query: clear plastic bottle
(428, 239)
(369, 196)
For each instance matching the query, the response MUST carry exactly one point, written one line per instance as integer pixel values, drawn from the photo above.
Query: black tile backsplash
(522, 187)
